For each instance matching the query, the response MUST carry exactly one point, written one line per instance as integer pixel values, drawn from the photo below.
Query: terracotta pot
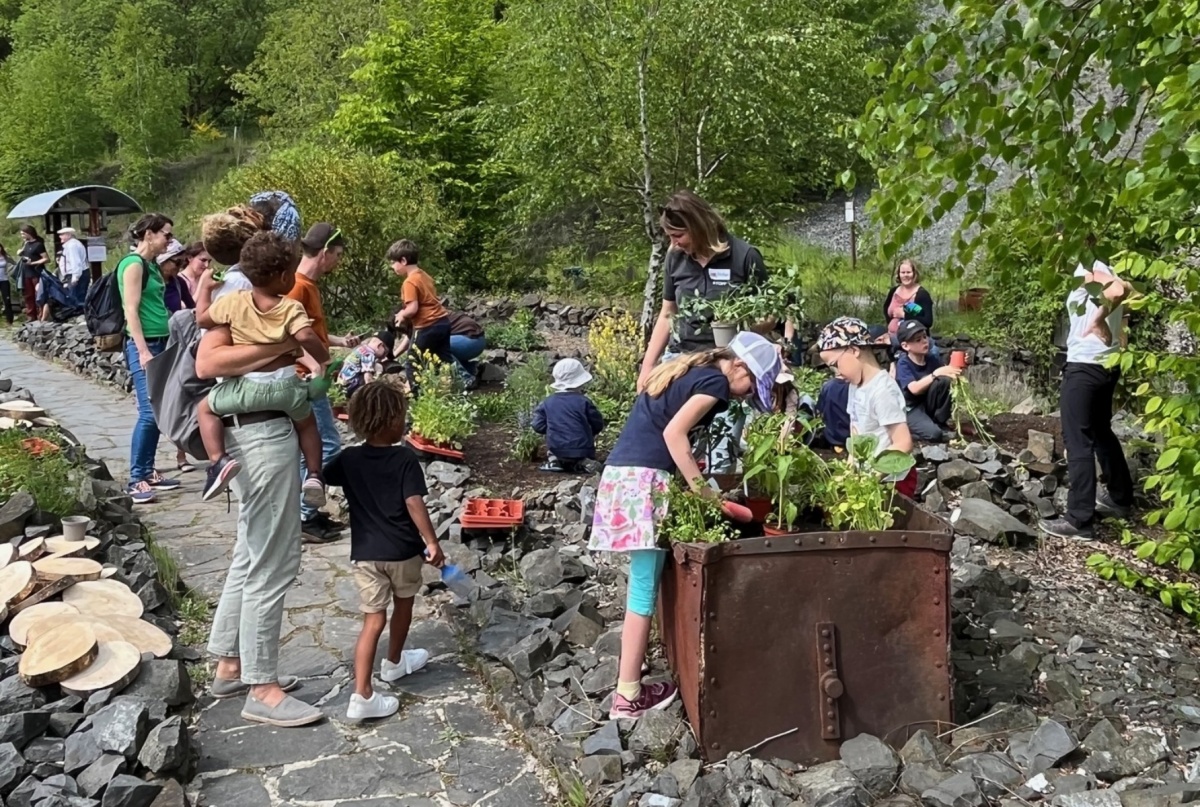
(958, 359)
(760, 507)
(769, 529)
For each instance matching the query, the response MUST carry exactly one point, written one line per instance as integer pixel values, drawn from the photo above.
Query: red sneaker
(654, 697)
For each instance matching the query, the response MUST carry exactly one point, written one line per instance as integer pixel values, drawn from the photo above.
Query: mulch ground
(1011, 432)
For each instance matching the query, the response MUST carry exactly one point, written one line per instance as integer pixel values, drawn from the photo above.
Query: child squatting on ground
(876, 404)
(568, 419)
(680, 395)
(365, 363)
(262, 316)
(391, 536)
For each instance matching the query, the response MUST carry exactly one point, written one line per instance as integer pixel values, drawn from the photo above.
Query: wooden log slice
(42, 594)
(58, 654)
(60, 545)
(17, 581)
(100, 625)
(108, 571)
(18, 629)
(54, 567)
(8, 554)
(115, 667)
(32, 550)
(7, 423)
(145, 636)
(22, 410)
(104, 597)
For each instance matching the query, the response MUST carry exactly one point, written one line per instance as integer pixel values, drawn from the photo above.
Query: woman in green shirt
(142, 287)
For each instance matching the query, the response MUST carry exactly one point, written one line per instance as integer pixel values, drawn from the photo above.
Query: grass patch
(518, 333)
(195, 614)
(49, 478)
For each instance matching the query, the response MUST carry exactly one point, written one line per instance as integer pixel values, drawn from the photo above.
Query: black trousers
(1086, 406)
(928, 418)
(6, 295)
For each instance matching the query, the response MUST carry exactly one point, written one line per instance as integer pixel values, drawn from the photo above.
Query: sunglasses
(337, 233)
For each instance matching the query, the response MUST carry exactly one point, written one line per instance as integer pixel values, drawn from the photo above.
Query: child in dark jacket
(569, 420)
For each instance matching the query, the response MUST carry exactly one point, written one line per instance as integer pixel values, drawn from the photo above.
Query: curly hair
(378, 407)
(225, 233)
(266, 256)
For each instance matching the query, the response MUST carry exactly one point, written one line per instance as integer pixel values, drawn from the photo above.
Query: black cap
(322, 235)
(909, 330)
(389, 340)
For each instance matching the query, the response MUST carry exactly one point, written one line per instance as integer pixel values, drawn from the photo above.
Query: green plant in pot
(691, 518)
(724, 315)
(857, 494)
(778, 463)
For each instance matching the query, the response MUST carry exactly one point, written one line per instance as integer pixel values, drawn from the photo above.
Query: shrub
(48, 478)
(518, 333)
(527, 385)
(441, 412)
(374, 201)
(615, 346)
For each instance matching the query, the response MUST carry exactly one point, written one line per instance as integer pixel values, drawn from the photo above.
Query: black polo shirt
(739, 264)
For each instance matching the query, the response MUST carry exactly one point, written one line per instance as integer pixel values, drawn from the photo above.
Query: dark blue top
(570, 422)
(833, 407)
(641, 443)
(908, 371)
(378, 481)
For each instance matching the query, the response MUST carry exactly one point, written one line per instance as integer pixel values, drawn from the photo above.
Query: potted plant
(442, 415)
(692, 518)
(779, 464)
(856, 495)
(724, 315)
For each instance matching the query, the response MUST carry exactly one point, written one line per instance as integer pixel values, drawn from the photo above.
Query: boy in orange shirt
(422, 308)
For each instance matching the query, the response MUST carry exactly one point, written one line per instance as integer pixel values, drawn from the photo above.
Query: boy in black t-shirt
(391, 536)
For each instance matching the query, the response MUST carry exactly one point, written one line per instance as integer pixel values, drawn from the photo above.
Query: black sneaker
(311, 532)
(218, 477)
(1062, 528)
(329, 524)
(1106, 505)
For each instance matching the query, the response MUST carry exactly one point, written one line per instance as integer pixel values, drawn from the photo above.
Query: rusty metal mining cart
(812, 638)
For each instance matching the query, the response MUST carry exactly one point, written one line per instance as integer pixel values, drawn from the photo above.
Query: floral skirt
(630, 504)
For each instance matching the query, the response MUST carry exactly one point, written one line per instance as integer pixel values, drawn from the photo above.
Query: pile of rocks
(71, 343)
(117, 748)
(552, 316)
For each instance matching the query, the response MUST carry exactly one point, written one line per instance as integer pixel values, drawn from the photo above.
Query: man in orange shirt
(322, 248)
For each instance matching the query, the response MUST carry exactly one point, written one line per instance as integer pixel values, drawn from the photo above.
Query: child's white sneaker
(313, 492)
(378, 705)
(410, 662)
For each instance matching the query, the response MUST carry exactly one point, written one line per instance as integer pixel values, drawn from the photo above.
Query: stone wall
(71, 344)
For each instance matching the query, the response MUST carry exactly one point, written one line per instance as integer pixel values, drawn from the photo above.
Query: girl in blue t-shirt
(680, 396)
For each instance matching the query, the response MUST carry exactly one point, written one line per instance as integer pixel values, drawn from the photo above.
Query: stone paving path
(443, 748)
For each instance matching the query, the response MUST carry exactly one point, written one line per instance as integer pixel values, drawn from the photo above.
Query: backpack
(105, 313)
(174, 388)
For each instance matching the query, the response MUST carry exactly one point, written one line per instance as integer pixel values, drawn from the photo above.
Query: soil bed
(1011, 432)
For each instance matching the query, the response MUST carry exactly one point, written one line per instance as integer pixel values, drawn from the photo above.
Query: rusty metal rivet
(712, 614)
(826, 647)
(937, 600)
(825, 634)
(937, 633)
(713, 713)
(830, 715)
(829, 729)
(938, 664)
(713, 680)
(796, 541)
(828, 661)
(941, 697)
(829, 702)
(904, 539)
(937, 570)
(820, 540)
(716, 745)
(872, 539)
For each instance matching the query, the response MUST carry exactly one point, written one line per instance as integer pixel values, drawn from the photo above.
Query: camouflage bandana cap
(844, 332)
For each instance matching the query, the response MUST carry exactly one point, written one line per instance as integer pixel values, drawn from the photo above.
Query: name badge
(719, 275)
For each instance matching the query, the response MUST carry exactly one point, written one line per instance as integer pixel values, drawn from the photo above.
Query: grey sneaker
(1106, 505)
(229, 688)
(288, 713)
(1061, 528)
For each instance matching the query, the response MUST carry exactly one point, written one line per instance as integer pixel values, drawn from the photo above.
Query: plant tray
(419, 443)
(38, 447)
(491, 513)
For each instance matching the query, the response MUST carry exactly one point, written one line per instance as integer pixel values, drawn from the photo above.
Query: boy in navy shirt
(391, 536)
(569, 420)
(926, 384)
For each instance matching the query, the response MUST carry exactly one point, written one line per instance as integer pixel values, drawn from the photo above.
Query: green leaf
(893, 463)
(1166, 598)
(1187, 559)
(1175, 518)
(1146, 550)
(1168, 459)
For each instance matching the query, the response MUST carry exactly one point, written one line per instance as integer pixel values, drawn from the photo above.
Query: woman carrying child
(679, 396)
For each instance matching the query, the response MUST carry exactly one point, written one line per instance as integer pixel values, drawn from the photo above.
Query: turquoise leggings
(645, 572)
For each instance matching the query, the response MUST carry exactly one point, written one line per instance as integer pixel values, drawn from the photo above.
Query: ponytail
(665, 375)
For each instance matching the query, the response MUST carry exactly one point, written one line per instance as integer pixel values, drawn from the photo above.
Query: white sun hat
(570, 374)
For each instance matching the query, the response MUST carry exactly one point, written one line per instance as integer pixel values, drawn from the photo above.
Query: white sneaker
(313, 492)
(379, 705)
(410, 662)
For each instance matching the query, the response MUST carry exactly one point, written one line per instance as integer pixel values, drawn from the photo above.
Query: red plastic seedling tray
(492, 513)
(429, 447)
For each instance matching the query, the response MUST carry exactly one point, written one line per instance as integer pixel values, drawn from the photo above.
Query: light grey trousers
(266, 557)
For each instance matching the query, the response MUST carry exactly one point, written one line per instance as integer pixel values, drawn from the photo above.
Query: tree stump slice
(8, 554)
(108, 571)
(45, 592)
(104, 630)
(22, 410)
(54, 567)
(103, 598)
(32, 550)
(18, 629)
(146, 637)
(115, 667)
(61, 547)
(17, 581)
(58, 654)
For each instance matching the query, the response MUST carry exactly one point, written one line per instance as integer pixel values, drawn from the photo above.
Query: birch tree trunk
(650, 293)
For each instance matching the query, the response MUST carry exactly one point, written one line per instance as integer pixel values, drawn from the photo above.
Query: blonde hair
(664, 375)
(688, 212)
(224, 234)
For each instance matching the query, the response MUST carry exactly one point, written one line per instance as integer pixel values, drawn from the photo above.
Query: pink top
(896, 310)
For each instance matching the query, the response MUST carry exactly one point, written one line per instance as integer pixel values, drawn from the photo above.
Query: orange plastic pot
(958, 359)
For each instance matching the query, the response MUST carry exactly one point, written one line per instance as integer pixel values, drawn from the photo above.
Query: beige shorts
(379, 581)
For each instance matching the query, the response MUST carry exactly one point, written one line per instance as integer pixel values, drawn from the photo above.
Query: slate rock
(935, 453)
(924, 747)
(1096, 798)
(987, 522)
(1050, 743)
(542, 569)
(80, 750)
(872, 762)
(529, 655)
(1145, 748)
(13, 515)
(976, 490)
(918, 777)
(601, 679)
(504, 629)
(95, 777)
(658, 800)
(63, 723)
(22, 728)
(995, 773)
(602, 769)
(166, 748)
(582, 624)
(163, 681)
(13, 767)
(956, 473)
(677, 778)
(656, 733)
(15, 697)
(121, 727)
(548, 604)
(129, 791)
(576, 721)
(44, 749)
(605, 741)
(830, 784)
(959, 790)
(1041, 446)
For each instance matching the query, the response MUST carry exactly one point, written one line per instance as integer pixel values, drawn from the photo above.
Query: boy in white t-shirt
(876, 404)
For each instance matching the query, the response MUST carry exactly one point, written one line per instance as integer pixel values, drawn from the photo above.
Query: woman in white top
(5, 284)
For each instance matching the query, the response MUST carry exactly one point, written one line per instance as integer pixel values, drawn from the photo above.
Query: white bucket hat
(570, 374)
(758, 354)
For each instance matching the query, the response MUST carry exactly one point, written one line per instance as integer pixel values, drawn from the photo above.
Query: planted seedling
(858, 494)
(692, 518)
(778, 463)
